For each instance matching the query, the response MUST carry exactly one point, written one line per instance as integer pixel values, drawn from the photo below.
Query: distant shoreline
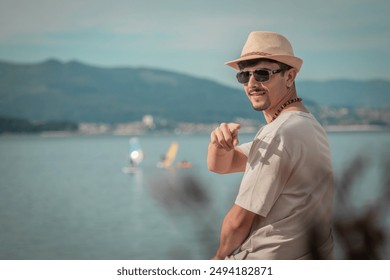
(203, 130)
(357, 128)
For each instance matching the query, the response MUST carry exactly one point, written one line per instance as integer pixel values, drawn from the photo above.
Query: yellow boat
(170, 156)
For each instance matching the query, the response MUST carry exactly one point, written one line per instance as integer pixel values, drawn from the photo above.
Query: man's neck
(290, 103)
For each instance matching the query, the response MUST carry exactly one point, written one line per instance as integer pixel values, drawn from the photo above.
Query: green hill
(76, 92)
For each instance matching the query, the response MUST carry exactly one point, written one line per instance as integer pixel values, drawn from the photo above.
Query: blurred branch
(362, 234)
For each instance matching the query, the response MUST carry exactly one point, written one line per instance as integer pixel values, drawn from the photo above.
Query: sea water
(67, 197)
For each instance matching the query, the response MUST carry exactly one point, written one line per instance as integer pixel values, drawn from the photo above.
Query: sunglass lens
(243, 77)
(261, 75)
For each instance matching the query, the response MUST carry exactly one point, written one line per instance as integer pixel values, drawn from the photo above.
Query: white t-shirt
(288, 182)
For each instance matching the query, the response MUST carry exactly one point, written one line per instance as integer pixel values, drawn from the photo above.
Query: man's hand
(225, 136)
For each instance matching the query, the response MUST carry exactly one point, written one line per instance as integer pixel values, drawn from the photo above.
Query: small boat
(168, 159)
(184, 164)
(135, 155)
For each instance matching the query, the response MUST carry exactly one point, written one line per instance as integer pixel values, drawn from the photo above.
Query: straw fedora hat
(270, 45)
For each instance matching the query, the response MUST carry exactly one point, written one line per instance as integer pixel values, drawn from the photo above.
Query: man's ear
(290, 76)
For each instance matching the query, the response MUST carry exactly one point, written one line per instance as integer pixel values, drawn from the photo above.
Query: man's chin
(258, 109)
(257, 106)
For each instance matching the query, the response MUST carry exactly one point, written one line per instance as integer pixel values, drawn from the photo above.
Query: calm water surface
(67, 198)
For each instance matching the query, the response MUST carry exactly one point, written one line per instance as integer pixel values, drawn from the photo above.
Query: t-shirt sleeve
(245, 148)
(267, 171)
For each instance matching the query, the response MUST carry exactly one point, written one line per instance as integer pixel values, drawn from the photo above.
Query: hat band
(254, 53)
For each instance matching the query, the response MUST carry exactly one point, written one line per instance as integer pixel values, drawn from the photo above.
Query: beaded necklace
(285, 105)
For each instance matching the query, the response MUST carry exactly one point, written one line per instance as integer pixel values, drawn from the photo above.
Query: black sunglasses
(260, 75)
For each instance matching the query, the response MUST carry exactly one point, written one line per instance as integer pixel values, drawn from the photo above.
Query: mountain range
(73, 91)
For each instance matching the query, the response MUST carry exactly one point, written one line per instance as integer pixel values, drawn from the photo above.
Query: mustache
(255, 90)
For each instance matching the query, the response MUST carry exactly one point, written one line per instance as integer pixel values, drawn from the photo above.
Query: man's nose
(252, 81)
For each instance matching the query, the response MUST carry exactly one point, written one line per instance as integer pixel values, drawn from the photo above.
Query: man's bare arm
(235, 229)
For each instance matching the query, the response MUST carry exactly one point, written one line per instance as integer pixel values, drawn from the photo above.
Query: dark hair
(252, 62)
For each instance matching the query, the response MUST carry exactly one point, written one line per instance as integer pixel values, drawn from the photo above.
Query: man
(283, 207)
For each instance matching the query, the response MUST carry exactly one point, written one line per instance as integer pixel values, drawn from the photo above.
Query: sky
(336, 39)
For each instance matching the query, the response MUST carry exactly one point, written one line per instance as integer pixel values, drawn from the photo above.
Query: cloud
(203, 24)
(202, 33)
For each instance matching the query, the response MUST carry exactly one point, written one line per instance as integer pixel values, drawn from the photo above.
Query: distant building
(148, 121)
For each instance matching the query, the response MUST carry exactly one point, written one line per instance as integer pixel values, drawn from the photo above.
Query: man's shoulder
(297, 122)
(293, 126)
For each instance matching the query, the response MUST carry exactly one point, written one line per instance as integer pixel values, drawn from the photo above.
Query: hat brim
(293, 61)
